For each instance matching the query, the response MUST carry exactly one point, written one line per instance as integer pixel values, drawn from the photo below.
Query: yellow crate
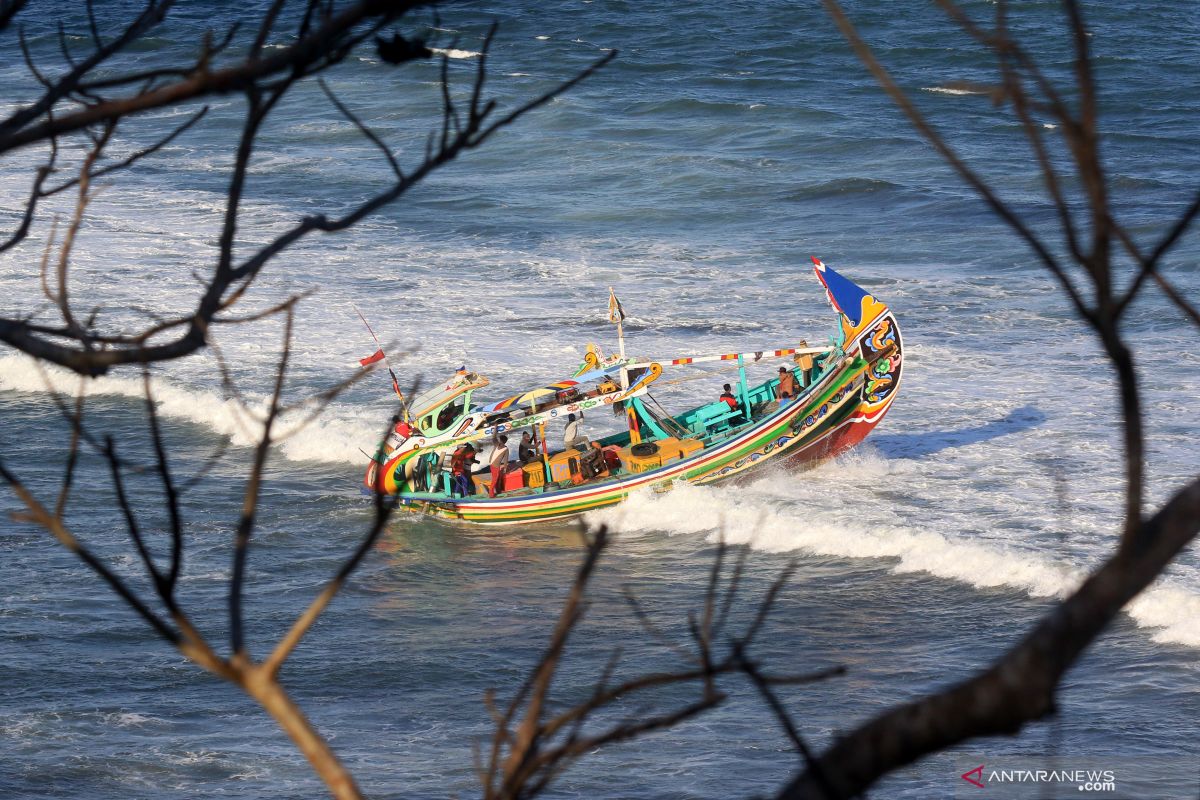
(535, 474)
(671, 449)
(689, 447)
(632, 463)
(564, 465)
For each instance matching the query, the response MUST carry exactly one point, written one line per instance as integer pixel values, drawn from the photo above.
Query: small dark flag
(615, 312)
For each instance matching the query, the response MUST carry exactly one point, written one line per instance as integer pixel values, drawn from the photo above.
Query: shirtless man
(786, 389)
(498, 463)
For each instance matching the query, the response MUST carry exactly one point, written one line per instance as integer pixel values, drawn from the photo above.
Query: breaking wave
(334, 437)
(951, 90)
(758, 516)
(450, 52)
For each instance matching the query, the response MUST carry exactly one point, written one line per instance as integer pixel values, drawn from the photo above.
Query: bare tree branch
(525, 761)
(1021, 685)
(39, 515)
(863, 51)
(245, 527)
(133, 158)
(88, 105)
(72, 348)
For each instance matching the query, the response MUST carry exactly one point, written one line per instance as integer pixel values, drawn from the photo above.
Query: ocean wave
(953, 90)
(334, 437)
(451, 52)
(753, 515)
(130, 719)
(841, 186)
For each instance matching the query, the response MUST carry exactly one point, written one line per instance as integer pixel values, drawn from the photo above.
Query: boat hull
(835, 416)
(830, 417)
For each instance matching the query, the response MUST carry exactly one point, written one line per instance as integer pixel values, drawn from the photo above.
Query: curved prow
(869, 331)
(857, 307)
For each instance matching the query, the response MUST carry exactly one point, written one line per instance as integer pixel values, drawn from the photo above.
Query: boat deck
(710, 425)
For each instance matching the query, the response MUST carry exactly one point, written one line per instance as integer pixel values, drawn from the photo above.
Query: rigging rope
(665, 421)
(713, 374)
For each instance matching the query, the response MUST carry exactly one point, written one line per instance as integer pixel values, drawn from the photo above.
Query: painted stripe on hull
(570, 502)
(731, 451)
(846, 420)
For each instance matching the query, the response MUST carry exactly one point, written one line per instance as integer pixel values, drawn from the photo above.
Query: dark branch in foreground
(84, 109)
(1020, 687)
(530, 749)
(172, 622)
(324, 37)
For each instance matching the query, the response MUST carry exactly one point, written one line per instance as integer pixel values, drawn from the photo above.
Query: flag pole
(617, 314)
(395, 380)
(620, 325)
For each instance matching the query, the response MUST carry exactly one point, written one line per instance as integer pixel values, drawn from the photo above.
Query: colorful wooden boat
(843, 391)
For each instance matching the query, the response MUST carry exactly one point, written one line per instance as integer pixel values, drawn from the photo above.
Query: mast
(743, 388)
(617, 314)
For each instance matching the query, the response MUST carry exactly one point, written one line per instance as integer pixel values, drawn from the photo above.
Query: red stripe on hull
(845, 436)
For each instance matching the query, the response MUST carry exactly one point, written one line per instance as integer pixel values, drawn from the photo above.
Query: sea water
(696, 175)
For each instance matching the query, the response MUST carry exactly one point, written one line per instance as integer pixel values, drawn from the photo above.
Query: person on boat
(397, 435)
(527, 449)
(401, 428)
(498, 463)
(786, 389)
(728, 399)
(573, 436)
(446, 416)
(460, 470)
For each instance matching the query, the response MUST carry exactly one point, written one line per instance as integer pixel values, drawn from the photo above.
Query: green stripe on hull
(567, 510)
(784, 425)
(568, 503)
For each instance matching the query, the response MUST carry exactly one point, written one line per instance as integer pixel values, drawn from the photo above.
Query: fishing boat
(840, 392)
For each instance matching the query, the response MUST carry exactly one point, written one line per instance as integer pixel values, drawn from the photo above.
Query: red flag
(371, 359)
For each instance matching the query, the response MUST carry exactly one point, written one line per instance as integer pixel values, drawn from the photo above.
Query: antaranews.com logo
(1112, 777)
(1084, 780)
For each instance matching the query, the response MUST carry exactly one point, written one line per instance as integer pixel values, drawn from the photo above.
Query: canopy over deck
(446, 391)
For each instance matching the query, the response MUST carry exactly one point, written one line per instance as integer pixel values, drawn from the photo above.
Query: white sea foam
(127, 719)
(192, 757)
(950, 90)
(756, 515)
(334, 437)
(451, 52)
(29, 726)
(1173, 609)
